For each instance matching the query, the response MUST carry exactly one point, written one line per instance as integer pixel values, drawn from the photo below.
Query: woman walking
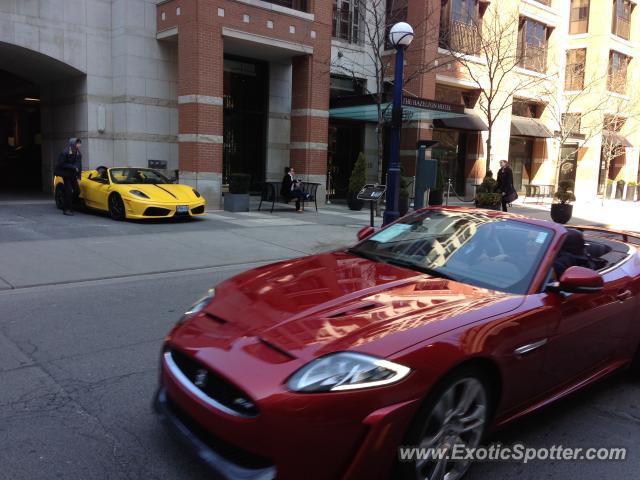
(505, 184)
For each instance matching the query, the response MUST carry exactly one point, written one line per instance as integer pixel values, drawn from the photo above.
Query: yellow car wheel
(116, 207)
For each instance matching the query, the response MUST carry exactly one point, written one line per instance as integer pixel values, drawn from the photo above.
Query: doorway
(451, 153)
(520, 157)
(20, 135)
(568, 163)
(246, 88)
(345, 144)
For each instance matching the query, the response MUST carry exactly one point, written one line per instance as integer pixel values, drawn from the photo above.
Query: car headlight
(346, 371)
(200, 303)
(196, 193)
(138, 193)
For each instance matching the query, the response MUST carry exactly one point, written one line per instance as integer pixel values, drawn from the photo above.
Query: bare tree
(621, 117)
(576, 112)
(490, 50)
(374, 18)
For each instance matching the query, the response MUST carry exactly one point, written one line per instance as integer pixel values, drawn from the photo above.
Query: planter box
(619, 190)
(561, 212)
(236, 202)
(436, 197)
(608, 191)
(631, 193)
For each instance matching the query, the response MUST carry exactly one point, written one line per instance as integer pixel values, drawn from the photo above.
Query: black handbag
(511, 197)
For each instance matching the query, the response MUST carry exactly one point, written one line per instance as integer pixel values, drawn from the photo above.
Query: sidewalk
(39, 246)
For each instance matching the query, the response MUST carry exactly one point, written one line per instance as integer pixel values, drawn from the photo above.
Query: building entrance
(20, 135)
(246, 90)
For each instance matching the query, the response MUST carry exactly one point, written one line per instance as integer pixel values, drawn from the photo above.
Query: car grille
(230, 452)
(214, 386)
(156, 212)
(198, 210)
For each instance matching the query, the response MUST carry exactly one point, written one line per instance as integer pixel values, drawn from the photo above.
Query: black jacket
(287, 183)
(69, 161)
(505, 180)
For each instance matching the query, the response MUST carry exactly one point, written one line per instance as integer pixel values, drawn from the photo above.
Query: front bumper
(349, 436)
(146, 209)
(201, 444)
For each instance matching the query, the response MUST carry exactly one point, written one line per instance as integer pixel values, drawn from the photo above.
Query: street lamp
(400, 36)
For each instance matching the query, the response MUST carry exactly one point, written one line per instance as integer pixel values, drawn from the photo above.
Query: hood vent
(218, 320)
(353, 309)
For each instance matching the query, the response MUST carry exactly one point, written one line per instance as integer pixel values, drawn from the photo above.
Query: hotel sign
(426, 104)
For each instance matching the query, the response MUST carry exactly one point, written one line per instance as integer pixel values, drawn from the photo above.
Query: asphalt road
(78, 369)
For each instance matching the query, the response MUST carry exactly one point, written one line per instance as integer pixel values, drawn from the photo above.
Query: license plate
(182, 209)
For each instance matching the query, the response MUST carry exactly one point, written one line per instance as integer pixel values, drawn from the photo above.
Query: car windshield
(474, 248)
(137, 176)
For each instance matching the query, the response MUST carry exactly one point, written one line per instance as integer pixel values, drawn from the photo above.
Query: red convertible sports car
(429, 332)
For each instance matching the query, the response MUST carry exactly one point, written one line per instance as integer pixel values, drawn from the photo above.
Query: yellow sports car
(134, 193)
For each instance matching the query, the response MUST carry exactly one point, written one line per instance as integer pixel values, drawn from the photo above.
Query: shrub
(358, 175)
(486, 193)
(565, 192)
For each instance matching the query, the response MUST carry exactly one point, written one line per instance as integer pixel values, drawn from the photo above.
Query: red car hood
(337, 301)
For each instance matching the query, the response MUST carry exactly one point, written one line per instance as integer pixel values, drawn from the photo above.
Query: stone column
(310, 120)
(200, 109)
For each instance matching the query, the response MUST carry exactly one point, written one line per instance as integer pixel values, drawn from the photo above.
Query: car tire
(457, 411)
(116, 207)
(58, 196)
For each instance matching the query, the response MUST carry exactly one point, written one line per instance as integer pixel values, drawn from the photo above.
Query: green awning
(528, 127)
(364, 108)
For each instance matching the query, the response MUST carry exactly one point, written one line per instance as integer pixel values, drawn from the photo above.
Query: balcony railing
(533, 57)
(301, 5)
(461, 37)
(621, 27)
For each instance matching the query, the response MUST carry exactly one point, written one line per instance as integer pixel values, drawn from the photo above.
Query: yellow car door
(95, 191)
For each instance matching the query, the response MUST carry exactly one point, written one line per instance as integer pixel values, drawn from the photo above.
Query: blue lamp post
(400, 36)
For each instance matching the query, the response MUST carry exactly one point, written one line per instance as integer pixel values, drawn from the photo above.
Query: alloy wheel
(458, 418)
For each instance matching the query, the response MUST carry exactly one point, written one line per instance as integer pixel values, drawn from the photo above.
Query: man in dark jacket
(69, 168)
(575, 252)
(291, 187)
(505, 184)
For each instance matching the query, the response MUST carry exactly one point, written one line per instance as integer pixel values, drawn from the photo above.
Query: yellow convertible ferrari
(134, 193)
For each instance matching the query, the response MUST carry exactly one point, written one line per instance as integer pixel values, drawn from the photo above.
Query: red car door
(586, 330)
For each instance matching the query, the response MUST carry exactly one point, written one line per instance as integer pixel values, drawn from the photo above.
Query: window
(347, 19)
(621, 25)
(457, 96)
(295, 4)
(614, 123)
(618, 72)
(574, 74)
(579, 16)
(571, 123)
(342, 86)
(460, 26)
(532, 45)
(523, 108)
(396, 11)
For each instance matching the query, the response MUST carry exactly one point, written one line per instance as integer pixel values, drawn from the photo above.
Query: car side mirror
(579, 280)
(365, 232)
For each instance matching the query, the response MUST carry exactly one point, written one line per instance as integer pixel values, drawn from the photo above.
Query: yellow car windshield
(133, 176)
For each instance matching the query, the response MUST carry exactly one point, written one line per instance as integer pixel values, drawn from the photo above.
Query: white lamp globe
(401, 34)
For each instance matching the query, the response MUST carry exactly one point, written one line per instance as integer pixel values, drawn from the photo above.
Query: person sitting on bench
(291, 188)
